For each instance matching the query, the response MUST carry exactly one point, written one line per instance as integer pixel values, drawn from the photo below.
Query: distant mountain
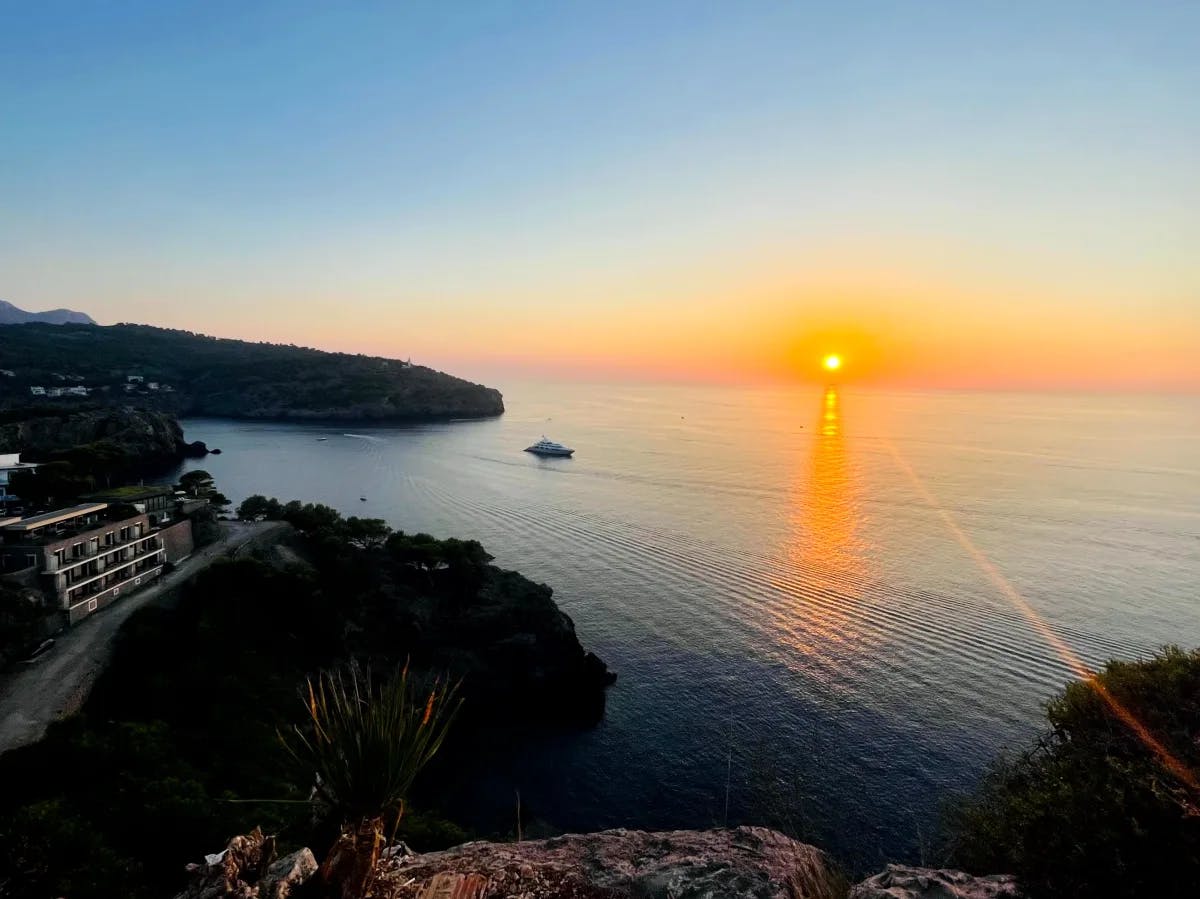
(183, 373)
(11, 315)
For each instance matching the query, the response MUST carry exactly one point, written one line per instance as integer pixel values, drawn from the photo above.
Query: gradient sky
(954, 194)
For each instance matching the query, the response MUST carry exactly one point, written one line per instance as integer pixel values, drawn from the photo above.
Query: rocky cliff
(515, 649)
(744, 862)
(117, 436)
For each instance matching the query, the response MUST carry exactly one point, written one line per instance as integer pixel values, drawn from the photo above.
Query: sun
(832, 362)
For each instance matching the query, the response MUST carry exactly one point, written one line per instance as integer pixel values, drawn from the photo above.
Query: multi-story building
(89, 555)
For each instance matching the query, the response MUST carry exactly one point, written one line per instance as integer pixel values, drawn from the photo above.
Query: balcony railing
(76, 599)
(107, 550)
(102, 581)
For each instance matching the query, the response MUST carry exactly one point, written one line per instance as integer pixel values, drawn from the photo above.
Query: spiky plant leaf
(366, 744)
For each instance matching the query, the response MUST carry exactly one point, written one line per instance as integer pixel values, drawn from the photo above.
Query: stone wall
(177, 541)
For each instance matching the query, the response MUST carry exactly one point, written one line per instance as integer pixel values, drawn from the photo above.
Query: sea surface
(829, 608)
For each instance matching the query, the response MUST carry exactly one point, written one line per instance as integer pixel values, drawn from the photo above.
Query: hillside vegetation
(1091, 809)
(192, 374)
(178, 746)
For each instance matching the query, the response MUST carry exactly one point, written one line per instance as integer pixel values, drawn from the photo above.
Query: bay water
(828, 608)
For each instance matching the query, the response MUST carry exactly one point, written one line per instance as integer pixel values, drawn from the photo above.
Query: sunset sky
(947, 194)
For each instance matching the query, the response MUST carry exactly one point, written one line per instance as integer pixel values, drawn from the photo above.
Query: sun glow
(832, 362)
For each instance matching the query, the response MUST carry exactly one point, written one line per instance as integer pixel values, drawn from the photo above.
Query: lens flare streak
(1172, 764)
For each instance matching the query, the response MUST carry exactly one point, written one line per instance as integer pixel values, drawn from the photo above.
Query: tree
(418, 550)
(365, 746)
(197, 482)
(257, 507)
(311, 518)
(366, 533)
(466, 561)
(206, 528)
(1095, 807)
(20, 624)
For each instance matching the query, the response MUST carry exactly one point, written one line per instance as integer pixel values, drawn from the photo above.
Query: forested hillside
(193, 374)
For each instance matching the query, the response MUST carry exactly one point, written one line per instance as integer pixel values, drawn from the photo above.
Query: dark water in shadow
(778, 595)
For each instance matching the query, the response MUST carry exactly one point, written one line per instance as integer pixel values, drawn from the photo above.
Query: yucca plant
(365, 745)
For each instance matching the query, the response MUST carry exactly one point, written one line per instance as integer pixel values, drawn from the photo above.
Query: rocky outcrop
(248, 869)
(742, 862)
(750, 862)
(901, 882)
(515, 649)
(115, 436)
(747, 862)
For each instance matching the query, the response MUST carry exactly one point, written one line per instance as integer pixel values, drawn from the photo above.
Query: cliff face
(514, 648)
(121, 435)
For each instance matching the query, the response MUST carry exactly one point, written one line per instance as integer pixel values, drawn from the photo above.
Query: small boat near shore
(545, 447)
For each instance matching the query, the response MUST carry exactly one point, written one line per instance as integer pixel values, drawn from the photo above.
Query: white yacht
(546, 447)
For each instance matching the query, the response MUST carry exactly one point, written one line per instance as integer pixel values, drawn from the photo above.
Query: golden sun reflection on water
(824, 561)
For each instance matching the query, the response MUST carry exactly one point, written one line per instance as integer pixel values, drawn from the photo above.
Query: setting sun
(832, 362)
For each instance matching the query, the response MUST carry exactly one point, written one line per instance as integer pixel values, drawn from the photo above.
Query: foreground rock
(744, 862)
(248, 869)
(751, 862)
(900, 882)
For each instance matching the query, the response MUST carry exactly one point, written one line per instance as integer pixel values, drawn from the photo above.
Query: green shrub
(1092, 809)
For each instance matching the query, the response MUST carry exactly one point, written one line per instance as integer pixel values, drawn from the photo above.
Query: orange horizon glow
(936, 336)
(890, 327)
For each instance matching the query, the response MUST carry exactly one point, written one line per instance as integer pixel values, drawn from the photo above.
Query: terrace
(50, 527)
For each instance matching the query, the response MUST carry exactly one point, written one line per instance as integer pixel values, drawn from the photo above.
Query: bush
(21, 626)
(206, 529)
(1092, 809)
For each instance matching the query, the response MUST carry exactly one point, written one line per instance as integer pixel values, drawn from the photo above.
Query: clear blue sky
(500, 182)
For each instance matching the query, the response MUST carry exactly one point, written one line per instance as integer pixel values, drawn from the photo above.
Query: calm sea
(800, 589)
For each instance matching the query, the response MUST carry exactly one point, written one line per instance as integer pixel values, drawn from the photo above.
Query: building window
(110, 538)
(124, 534)
(76, 550)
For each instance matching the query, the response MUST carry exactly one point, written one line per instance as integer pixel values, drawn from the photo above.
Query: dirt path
(58, 684)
